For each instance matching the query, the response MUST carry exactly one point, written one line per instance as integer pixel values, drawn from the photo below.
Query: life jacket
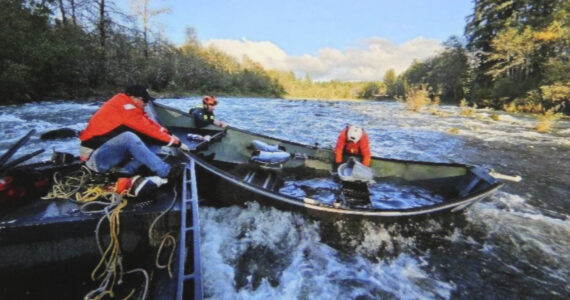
(118, 115)
(202, 116)
(347, 148)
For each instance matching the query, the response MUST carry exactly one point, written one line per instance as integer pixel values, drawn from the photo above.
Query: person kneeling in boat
(121, 134)
(352, 142)
(204, 114)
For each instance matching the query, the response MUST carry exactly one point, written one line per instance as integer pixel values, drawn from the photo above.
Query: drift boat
(231, 168)
(59, 248)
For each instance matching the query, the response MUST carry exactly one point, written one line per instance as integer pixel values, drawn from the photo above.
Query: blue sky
(299, 30)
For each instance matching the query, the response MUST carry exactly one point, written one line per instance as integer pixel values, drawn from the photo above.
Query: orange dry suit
(362, 148)
(116, 116)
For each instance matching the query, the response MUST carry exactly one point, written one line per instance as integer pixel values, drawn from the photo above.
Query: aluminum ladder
(189, 268)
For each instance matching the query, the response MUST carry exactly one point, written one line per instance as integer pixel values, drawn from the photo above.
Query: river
(512, 245)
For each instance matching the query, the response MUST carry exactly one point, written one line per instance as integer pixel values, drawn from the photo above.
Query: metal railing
(189, 268)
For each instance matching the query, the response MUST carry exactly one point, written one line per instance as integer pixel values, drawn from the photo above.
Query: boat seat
(355, 194)
(267, 180)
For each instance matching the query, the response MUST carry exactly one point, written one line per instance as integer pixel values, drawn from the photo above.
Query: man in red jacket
(352, 141)
(120, 133)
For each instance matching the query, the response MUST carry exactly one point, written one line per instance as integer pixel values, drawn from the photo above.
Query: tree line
(306, 88)
(515, 56)
(70, 49)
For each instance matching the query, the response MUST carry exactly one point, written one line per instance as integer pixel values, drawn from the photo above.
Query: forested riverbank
(513, 56)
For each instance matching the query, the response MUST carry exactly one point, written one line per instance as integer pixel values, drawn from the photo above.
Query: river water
(512, 245)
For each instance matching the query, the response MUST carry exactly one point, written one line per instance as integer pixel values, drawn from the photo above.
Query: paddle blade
(19, 160)
(6, 156)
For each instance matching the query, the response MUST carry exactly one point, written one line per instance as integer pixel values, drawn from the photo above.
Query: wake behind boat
(232, 168)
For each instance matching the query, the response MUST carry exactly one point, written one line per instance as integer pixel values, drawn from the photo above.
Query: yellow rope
(166, 237)
(112, 253)
(91, 194)
(66, 188)
(129, 295)
(167, 240)
(79, 186)
(111, 257)
(76, 185)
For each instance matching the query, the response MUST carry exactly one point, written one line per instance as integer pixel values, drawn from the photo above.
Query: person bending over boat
(121, 134)
(204, 114)
(352, 142)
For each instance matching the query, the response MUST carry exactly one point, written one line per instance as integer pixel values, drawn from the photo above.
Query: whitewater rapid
(515, 244)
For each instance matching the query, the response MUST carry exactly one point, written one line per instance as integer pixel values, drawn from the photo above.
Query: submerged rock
(62, 133)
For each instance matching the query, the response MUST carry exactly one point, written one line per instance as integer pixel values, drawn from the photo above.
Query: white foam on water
(538, 240)
(10, 118)
(380, 238)
(236, 229)
(61, 106)
(514, 129)
(376, 237)
(310, 269)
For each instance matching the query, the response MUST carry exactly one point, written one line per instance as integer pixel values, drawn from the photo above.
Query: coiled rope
(69, 186)
(166, 240)
(81, 188)
(111, 261)
(110, 267)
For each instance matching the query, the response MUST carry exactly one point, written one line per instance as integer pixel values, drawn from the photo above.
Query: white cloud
(368, 60)
(266, 53)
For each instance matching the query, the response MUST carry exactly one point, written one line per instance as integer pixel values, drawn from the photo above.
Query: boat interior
(307, 173)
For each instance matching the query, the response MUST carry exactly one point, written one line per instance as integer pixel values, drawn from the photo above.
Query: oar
(216, 137)
(20, 160)
(15, 147)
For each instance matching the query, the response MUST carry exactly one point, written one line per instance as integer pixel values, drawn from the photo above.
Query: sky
(325, 39)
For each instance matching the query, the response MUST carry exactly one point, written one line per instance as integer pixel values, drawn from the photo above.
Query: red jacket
(361, 148)
(120, 114)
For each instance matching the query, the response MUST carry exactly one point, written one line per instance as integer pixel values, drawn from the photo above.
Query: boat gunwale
(448, 204)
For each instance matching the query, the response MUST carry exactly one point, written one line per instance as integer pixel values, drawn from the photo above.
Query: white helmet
(354, 133)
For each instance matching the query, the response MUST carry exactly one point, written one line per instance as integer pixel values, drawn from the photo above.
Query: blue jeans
(127, 147)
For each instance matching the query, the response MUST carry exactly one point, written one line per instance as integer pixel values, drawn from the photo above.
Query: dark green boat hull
(221, 177)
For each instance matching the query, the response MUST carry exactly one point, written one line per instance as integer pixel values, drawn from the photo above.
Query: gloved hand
(184, 148)
(220, 123)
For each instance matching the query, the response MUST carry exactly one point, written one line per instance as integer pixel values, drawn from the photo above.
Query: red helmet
(210, 100)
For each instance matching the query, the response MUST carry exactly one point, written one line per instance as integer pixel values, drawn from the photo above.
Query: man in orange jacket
(352, 141)
(120, 133)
